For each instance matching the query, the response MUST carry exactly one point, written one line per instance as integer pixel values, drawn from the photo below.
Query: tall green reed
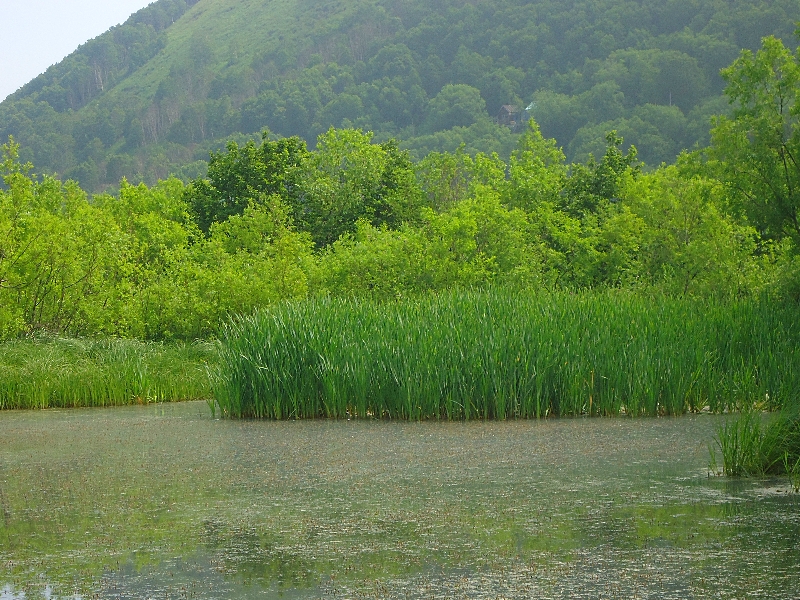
(501, 354)
(60, 373)
(754, 444)
(741, 443)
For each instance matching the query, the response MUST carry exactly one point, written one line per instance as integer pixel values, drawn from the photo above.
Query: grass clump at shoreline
(501, 354)
(71, 373)
(754, 445)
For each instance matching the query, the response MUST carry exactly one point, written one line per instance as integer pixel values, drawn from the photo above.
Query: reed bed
(503, 355)
(70, 373)
(755, 444)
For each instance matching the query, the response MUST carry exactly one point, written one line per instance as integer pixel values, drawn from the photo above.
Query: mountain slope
(152, 96)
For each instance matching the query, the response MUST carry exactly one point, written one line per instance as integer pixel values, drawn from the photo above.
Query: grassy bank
(499, 355)
(58, 373)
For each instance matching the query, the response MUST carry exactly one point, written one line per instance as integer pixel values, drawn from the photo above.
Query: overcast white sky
(35, 34)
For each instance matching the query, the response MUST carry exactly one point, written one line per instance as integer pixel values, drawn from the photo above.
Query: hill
(153, 96)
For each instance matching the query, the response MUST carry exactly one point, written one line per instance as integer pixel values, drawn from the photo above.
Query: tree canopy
(757, 148)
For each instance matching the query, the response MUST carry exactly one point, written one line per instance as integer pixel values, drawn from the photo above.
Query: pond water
(165, 502)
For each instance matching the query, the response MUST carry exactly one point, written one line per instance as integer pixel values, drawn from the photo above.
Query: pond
(163, 501)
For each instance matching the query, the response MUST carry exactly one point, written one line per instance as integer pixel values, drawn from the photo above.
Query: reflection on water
(164, 502)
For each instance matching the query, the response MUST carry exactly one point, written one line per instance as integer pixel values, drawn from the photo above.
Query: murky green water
(164, 502)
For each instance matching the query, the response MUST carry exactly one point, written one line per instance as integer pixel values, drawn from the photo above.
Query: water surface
(165, 502)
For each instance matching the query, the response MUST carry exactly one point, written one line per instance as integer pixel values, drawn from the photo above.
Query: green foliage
(245, 174)
(592, 187)
(68, 373)
(757, 149)
(347, 178)
(455, 106)
(475, 243)
(449, 178)
(740, 442)
(351, 179)
(537, 172)
(277, 221)
(57, 254)
(354, 218)
(504, 354)
(137, 264)
(178, 80)
(689, 246)
(754, 445)
(250, 260)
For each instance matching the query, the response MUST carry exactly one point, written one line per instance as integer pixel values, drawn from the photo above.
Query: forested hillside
(153, 96)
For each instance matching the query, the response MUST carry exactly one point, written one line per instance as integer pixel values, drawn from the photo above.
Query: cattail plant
(502, 354)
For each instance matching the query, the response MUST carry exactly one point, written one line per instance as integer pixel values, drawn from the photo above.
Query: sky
(35, 34)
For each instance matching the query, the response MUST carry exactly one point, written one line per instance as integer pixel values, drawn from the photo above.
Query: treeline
(276, 221)
(153, 96)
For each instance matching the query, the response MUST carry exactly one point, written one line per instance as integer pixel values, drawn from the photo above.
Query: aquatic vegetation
(740, 442)
(56, 372)
(793, 471)
(754, 444)
(502, 354)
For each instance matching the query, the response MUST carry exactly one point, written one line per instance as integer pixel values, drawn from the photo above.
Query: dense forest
(357, 217)
(152, 97)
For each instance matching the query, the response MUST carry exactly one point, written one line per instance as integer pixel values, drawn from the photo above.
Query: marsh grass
(501, 355)
(741, 443)
(792, 469)
(754, 444)
(61, 373)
